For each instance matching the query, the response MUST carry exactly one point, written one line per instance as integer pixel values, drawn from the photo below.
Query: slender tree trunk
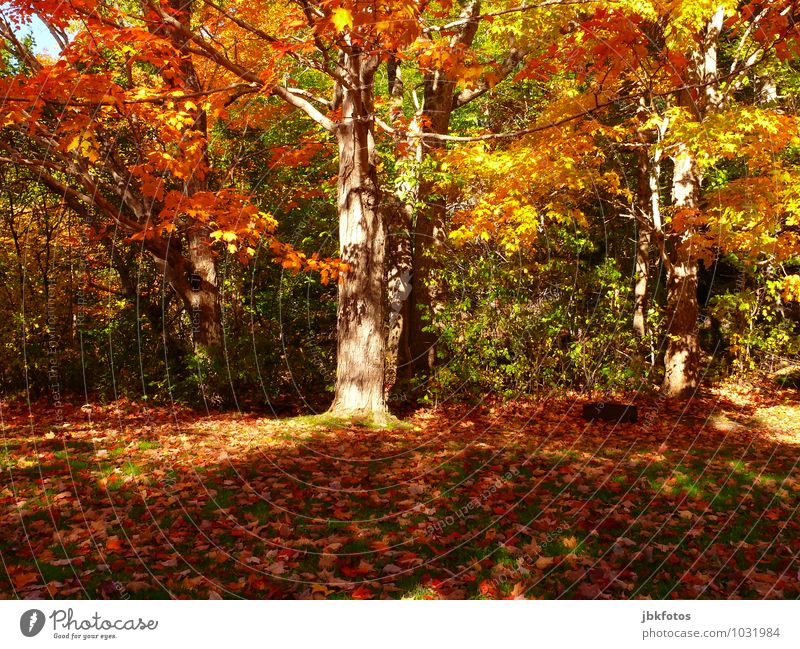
(400, 219)
(361, 332)
(640, 288)
(642, 245)
(425, 299)
(429, 231)
(400, 263)
(204, 298)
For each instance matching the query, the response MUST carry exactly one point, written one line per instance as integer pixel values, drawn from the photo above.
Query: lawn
(515, 500)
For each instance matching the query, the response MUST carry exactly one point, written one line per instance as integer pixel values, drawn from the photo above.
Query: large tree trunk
(203, 297)
(360, 325)
(193, 277)
(682, 358)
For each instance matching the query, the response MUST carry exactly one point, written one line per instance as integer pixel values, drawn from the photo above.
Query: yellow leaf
(229, 236)
(341, 18)
(217, 234)
(74, 143)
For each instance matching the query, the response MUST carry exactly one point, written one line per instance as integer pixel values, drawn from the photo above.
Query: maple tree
(120, 123)
(108, 135)
(664, 64)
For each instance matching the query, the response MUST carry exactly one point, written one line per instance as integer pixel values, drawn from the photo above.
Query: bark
(400, 218)
(361, 343)
(192, 276)
(200, 294)
(440, 99)
(203, 300)
(399, 261)
(642, 246)
(682, 357)
(640, 288)
(649, 223)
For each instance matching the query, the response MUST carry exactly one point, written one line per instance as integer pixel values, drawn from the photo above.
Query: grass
(332, 421)
(320, 507)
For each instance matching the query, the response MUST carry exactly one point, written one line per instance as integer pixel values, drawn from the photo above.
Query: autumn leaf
(342, 19)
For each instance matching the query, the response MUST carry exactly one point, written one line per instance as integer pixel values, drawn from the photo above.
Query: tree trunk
(361, 341)
(400, 219)
(429, 232)
(400, 263)
(194, 278)
(640, 288)
(642, 244)
(682, 358)
(427, 294)
(204, 299)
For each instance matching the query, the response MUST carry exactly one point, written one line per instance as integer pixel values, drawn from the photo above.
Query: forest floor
(522, 499)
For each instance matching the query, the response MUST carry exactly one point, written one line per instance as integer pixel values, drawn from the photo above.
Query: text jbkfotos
(658, 616)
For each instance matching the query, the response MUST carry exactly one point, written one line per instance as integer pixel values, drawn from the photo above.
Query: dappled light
(522, 500)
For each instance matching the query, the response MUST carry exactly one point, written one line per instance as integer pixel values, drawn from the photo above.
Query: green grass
(328, 420)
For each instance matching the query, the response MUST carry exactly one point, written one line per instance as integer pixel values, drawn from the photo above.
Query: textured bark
(361, 341)
(640, 288)
(400, 218)
(682, 357)
(399, 262)
(203, 300)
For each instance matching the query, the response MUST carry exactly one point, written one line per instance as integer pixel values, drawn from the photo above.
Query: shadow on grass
(527, 500)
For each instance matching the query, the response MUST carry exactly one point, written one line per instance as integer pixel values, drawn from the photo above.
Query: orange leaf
(24, 579)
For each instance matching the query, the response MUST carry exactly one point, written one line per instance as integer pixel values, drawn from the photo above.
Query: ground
(522, 499)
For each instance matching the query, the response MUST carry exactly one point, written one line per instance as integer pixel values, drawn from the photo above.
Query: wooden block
(620, 412)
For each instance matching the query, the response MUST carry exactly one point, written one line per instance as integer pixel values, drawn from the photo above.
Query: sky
(45, 43)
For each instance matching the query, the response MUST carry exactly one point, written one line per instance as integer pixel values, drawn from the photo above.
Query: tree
(119, 125)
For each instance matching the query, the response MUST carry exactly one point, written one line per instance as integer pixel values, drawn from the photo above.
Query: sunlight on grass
(328, 420)
(781, 423)
(420, 592)
(131, 469)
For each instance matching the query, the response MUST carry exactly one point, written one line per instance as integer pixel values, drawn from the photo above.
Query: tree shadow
(523, 499)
